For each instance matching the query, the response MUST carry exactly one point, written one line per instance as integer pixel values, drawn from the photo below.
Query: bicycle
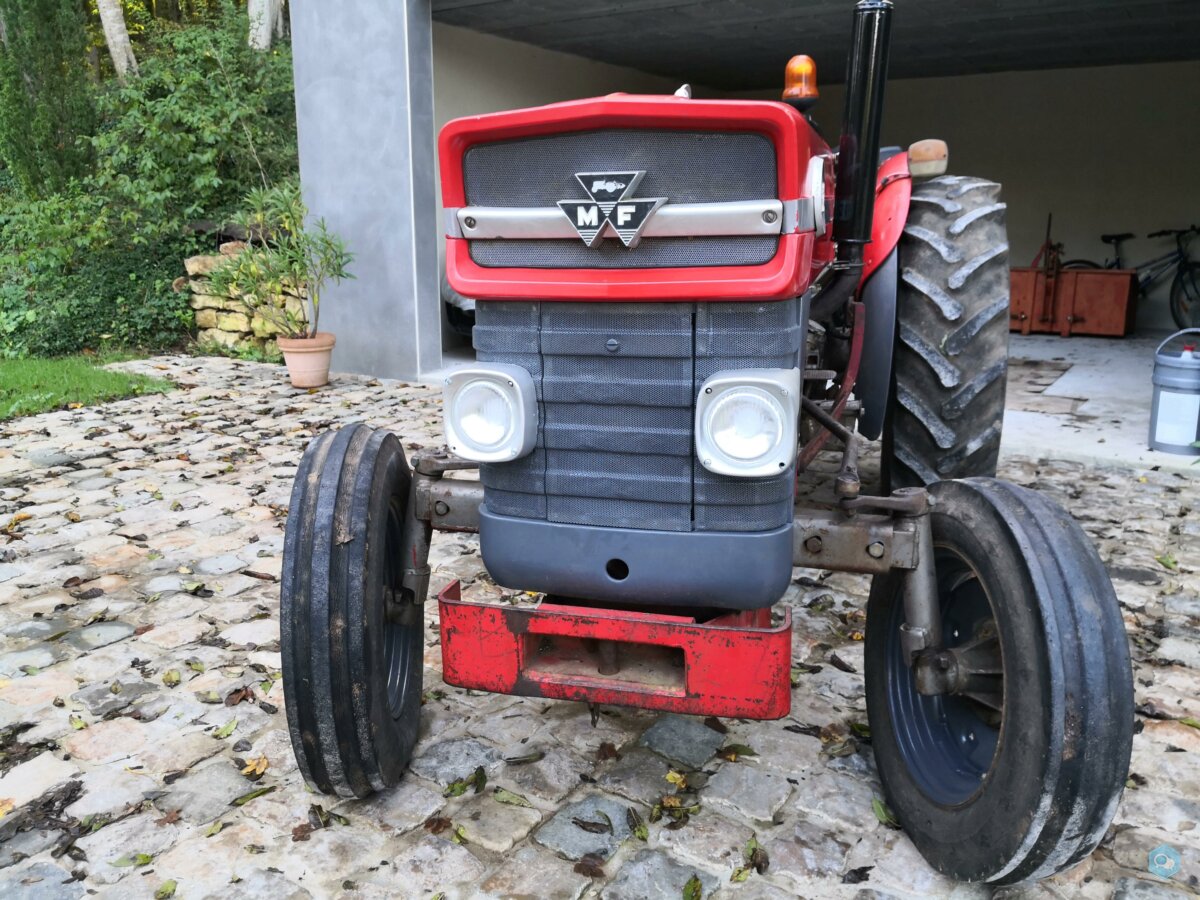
(1185, 288)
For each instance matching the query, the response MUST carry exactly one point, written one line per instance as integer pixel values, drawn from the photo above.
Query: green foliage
(46, 102)
(284, 256)
(30, 386)
(90, 264)
(208, 119)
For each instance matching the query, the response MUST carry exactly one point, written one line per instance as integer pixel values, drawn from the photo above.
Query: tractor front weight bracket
(655, 660)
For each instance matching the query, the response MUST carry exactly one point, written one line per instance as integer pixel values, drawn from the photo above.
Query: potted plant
(279, 277)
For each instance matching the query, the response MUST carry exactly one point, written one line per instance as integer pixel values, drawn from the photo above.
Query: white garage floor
(1084, 400)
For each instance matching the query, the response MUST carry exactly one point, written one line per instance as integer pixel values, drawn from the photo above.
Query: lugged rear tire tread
(950, 369)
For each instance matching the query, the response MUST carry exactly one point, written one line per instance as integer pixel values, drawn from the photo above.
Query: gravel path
(143, 742)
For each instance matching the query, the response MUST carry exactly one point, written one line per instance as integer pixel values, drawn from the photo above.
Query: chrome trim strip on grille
(741, 217)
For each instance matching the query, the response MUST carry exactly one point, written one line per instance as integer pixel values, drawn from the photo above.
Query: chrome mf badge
(610, 207)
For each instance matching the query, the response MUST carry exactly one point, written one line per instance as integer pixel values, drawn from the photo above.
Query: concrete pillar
(364, 106)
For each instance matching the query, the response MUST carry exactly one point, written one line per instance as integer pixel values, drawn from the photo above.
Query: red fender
(893, 192)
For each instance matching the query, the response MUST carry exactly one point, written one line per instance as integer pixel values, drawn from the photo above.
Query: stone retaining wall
(226, 320)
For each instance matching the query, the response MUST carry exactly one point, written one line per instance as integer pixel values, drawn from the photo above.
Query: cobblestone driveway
(140, 696)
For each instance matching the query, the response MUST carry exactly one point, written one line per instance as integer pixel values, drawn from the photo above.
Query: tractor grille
(615, 428)
(683, 166)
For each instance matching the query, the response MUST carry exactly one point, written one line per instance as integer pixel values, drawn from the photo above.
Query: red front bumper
(735, 665)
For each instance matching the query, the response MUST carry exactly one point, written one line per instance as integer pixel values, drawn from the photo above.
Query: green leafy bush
(90, 264)
(46, 102)
(207, 119)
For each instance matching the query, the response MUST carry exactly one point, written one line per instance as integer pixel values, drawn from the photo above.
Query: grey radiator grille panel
(683, 166)
(651, 253)
(615, 428)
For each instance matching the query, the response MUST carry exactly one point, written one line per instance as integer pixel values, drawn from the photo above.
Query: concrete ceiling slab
(743, 44)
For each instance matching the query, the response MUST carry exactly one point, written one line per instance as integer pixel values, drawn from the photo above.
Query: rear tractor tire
(951, 359)
(350, 635)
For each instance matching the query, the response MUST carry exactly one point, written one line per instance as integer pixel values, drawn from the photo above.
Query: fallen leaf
(885, 816)
(861, 729)
(437, 824)
(256, 766)
(857, 876)
(459, 836)
(1168, 561)
(1190, 722)
(740, 874)
(590, 865)
(195, 665)
(607, 751)
(169, 819)
(239, 696)
(731, 752)
(636, 826)
(72, 516)
(301, 832)
(165, 890)
(77, 722)
(171, 677)
(503, 796)
(531, 757)
(258, 792)
(6, 806)
(838, 663)
(138, 859)
(676, 778)
(214, 828)
(593, 827)
(693, 890)
(225, 730)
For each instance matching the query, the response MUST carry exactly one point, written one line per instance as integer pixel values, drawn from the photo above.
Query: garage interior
(1078, 108)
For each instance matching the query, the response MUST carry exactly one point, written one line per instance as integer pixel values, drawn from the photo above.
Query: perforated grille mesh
(615, 428)
(683, 166)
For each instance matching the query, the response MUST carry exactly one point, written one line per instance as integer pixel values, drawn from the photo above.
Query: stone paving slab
(140, 551)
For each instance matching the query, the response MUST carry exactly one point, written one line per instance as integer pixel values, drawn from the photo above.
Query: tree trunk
(167, 9)
(3, 32)
(116, 35)
(263, 14)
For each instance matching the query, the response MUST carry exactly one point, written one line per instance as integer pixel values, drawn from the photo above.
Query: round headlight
(484, 414)
(746, 424)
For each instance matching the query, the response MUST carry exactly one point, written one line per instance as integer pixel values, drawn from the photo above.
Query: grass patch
(31, 386)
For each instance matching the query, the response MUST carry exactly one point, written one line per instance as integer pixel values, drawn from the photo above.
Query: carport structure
(1082, 109)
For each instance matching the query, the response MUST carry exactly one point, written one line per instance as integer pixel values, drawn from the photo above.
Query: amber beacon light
(800, 81)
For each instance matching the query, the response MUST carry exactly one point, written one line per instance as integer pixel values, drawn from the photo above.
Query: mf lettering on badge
(1164, 861)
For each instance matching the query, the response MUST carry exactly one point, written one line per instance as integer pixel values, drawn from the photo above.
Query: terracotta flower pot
(308, 358)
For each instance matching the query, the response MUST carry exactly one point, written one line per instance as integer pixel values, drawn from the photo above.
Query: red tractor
(679, 303)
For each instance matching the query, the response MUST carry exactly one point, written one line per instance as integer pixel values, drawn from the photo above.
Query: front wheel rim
(948, 742)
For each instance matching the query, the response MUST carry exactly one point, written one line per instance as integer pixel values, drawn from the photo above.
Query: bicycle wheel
(1185, 295)
(1081, 264)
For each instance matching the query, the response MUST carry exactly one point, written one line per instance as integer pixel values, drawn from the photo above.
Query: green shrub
(90, 265)
(46, 102)
(208, 119)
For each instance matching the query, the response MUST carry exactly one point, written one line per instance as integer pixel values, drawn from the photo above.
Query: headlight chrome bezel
(781, 389)
(517, 387)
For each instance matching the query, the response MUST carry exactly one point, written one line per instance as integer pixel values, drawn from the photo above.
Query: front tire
(1021, 780)
(951, 357)
(351, 665)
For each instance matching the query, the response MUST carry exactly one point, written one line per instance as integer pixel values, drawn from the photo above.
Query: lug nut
(875, 550)
(813, 544)
(441, 508)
